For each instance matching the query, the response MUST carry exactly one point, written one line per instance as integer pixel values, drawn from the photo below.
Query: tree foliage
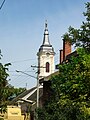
(3, 84)
(81, 37)
(72, 88)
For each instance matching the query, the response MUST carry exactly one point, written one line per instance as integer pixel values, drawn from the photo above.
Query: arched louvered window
(47, 66)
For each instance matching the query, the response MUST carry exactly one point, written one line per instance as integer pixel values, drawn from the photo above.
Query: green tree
(3, 84)
(14, 92)
(72, 89)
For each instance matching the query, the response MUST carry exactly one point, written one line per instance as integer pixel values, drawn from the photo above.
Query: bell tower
(46, 56)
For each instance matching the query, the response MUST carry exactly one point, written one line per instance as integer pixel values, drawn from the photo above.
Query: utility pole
(37, 84)
(38, 71)
(37, 89)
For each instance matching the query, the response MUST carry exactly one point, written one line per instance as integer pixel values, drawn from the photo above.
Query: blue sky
(22, 27)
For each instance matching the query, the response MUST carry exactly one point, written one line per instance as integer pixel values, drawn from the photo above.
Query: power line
(2, 4)
(23, 71)
(21, 60)
(26, 74)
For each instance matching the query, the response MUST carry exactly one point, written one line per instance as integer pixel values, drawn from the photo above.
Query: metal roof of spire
(46, 35)
(46, 46)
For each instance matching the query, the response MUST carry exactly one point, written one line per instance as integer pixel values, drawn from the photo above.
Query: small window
(47, 66)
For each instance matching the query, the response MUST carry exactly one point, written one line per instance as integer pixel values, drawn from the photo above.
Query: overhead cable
(2, 4)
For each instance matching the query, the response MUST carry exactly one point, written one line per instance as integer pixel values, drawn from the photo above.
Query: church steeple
(46, 56)
(46, 35)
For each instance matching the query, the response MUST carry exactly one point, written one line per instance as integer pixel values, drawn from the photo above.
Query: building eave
(48, 77)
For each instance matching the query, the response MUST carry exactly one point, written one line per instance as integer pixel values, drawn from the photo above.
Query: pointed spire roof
(46, 46)
(46, 35)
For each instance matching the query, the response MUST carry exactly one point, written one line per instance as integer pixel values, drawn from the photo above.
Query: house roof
(29, 96)
(48, 77)
(68, 57)
(71, 54)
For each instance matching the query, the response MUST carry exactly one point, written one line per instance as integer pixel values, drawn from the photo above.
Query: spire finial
(46, 24)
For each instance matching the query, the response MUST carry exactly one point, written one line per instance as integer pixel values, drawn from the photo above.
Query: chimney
(61, 56)
(66, 49)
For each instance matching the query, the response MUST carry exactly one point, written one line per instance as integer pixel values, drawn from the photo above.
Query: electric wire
(21, 61)
(2, 4)
(15, 80)
(24, 81)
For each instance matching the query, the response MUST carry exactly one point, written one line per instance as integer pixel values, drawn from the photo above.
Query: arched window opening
(47, 67)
